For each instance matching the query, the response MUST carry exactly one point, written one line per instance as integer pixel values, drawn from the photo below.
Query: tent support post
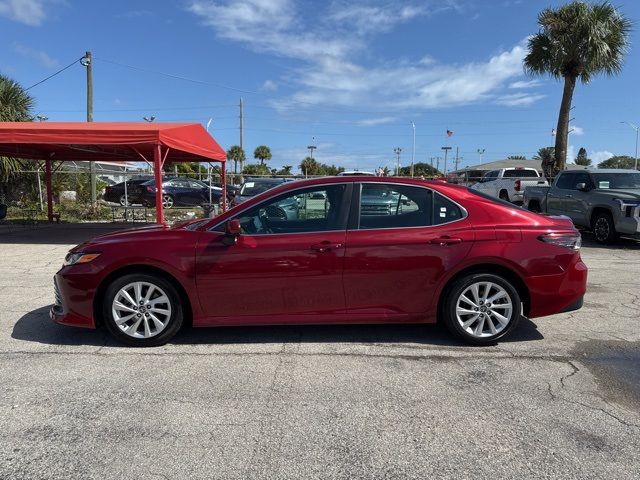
(157, 171)
(223, 182)
(47, 174)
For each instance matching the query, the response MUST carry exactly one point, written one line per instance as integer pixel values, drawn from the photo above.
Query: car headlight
(79, 257)
(624, 203)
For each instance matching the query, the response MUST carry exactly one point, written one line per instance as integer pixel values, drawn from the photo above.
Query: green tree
(618, 161)
(236, 154)
(581, 158)
(15, 106)
(310, 166)
(262, 153)
(576, 41)
(256, 169)
(546, 157)
(285, 170)
(516, 157)
(420, 169)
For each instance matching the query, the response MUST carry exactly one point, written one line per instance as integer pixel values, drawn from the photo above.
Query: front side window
(394, 206)
(564, 181)
(253, 188)
(313, 209)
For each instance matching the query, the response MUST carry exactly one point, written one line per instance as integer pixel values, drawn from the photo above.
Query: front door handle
(326, 246)
(444, 241)
(568, 196)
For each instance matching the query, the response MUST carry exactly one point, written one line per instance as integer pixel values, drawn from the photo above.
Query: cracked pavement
(399, 401)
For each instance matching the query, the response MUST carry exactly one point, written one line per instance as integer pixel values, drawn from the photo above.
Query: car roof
(611, 170)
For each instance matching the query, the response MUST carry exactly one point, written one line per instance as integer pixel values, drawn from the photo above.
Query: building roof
(507, 163)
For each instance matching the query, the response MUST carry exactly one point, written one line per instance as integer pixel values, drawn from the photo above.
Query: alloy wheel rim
(167, 201)
(602, 229)
(141, 310)
(484, 309)
(123, 200)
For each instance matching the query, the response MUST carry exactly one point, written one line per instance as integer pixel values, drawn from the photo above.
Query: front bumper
(72, 306)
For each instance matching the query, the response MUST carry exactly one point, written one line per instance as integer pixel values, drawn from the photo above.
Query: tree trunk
(562, 129)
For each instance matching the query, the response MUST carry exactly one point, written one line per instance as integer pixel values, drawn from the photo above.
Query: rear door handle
(325, 246)
(568, 196)
(444, 241)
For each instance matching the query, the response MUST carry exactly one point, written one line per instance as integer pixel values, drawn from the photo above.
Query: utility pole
(241, 133)
(457, 158)
(413, 151)
(446, 151)
(397, 151)
(87, 62)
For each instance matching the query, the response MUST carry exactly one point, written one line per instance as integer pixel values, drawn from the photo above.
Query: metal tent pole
(47, 173)
(157, 172)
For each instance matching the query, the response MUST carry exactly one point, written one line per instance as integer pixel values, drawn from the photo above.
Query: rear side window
(394, 206)
(444, 210)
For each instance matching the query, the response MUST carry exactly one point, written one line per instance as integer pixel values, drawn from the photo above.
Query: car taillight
(572, 241)
(107, 189)
(518, 185)
(150, 189)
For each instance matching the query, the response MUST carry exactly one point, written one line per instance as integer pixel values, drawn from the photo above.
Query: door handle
(444, 241)
(568, 196)
(323, 247)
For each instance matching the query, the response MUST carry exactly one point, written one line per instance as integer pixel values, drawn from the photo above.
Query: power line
(177, 77)
(53, 75)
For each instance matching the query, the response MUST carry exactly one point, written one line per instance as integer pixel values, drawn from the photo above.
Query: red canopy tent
(155, 143)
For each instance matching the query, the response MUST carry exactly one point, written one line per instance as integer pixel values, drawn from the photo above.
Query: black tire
(454, 325)
(123, 201)
(604, 229)
(535, 207)
(504, 196)
(173, 322)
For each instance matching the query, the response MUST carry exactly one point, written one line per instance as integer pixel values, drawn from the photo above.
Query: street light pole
(413, 151)
(637, 129)
(481, 152)
(397, 151)
(446, 151)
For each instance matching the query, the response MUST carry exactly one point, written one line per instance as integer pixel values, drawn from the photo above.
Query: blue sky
(347, 75)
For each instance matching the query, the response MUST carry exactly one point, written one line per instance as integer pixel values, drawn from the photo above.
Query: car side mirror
(582, 187)
(232, 230)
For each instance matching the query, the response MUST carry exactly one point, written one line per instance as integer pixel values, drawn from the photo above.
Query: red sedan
(356, 250)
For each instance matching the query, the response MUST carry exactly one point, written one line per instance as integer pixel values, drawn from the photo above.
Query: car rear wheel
(142, 310)
(167, 201)
(123, 200)
(604, 229)
(480, 309)
(504, 196)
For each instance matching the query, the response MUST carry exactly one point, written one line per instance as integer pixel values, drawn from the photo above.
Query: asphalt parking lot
(560, 399)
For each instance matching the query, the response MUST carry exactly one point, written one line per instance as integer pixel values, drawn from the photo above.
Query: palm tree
(262, 153)
(236, 154)
(576, 41)
(546, 156)
(15, 106)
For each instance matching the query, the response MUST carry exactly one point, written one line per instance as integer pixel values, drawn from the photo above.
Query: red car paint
(346, 276)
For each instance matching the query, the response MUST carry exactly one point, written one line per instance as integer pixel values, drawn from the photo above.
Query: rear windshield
(250, 189)
(520, 174)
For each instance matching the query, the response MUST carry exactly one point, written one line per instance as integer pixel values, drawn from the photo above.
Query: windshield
(617, 180)
(251, 189)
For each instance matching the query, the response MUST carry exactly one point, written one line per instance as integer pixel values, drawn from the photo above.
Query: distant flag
(553, 132)
(209, 123)
(449, 133)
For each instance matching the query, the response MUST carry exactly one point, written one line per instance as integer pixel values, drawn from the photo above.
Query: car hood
(123, 236)
(626, 193)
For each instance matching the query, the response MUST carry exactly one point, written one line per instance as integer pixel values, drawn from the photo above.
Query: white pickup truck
(509, 183)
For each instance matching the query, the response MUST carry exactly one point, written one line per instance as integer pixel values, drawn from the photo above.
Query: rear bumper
(563, 292)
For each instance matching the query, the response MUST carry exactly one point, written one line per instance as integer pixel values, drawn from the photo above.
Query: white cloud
(269, 86)
(525, 84)
(332, 55)
(372, 122)
(38, 55)
(576, 130)
(29, 12)
(600, 156)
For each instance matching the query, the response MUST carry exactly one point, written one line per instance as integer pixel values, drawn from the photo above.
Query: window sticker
(249, 184)
(603, 184)
(443, 215)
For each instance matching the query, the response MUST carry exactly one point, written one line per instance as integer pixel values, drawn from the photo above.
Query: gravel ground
(560, 399)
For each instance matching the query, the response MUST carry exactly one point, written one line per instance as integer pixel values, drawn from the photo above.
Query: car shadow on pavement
(36, 327)
(623, 243)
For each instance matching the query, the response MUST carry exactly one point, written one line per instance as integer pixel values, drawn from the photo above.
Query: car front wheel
(604, 229)
(142, 310)
(481, 309)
